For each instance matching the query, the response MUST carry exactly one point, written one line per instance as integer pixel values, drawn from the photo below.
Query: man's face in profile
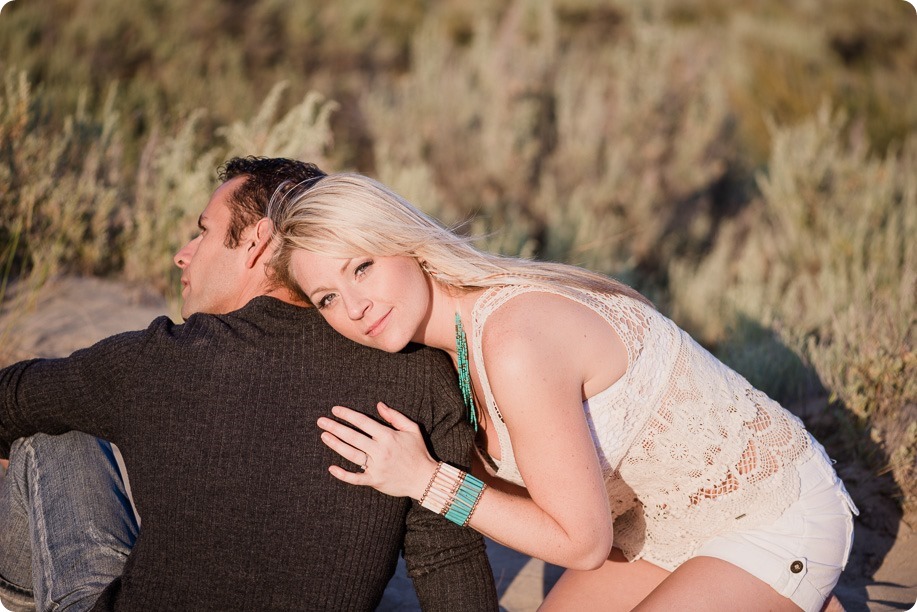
(213, 275)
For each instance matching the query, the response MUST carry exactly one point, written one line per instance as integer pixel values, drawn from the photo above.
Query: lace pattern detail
(688, 447)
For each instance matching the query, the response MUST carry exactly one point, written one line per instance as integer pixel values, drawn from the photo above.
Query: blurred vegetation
(750, 166)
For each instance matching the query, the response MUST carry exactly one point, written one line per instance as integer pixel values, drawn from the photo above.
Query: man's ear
(259, 240)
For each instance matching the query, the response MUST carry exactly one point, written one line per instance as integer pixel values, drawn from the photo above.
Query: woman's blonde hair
(350, 215)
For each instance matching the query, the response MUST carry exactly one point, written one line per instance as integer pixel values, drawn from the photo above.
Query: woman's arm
(538, 354)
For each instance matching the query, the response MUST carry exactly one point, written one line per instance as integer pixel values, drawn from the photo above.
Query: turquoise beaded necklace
(464, 374)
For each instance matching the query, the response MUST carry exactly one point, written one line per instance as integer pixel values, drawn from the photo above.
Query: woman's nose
(357, 307)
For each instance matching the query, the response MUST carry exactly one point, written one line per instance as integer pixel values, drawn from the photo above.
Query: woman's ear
(426, 268)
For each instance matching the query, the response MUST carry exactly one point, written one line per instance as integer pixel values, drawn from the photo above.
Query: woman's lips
(376, 328)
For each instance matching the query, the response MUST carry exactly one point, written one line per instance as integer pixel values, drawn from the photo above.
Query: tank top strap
(488, 303)
(485, 306)
(630, 319)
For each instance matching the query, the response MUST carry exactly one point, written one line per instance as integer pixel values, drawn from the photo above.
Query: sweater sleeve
(86, 391)
(447, 563)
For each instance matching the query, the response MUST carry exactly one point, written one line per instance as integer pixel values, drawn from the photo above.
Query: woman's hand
(393, 461)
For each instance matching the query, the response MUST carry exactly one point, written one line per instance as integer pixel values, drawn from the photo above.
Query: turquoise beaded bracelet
(453, 493)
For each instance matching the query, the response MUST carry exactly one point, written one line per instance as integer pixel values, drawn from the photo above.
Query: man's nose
(184, 255)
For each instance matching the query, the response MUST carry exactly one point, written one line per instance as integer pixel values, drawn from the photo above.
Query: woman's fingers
(345, 432)
(359, 420)
(372, 427)
(354, 478)
(396, 457)
(395, 418)
(348, 452)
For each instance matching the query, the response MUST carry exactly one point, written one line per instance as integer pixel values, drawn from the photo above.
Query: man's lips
(377, 327)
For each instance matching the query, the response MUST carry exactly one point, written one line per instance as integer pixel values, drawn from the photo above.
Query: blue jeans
(66, 522)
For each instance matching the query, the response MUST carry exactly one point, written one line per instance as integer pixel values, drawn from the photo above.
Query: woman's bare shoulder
(539, 314)
(555, 335)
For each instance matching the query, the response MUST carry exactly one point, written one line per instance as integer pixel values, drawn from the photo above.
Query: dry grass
(826, 258)
(685, 146)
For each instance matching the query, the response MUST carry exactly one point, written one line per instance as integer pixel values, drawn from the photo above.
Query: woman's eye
(361, 269)
(325, 301)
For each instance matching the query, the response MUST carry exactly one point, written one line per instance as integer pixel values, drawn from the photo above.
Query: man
(216, 422)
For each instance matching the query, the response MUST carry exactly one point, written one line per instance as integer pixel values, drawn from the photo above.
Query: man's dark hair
(264, 175)
(249, 202)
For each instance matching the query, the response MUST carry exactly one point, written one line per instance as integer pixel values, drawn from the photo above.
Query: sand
(70, 313)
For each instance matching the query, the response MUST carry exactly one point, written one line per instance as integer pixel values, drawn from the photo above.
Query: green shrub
(559, 150)
(61, 197)
(827, 258)
(677, 144)
(69, 204)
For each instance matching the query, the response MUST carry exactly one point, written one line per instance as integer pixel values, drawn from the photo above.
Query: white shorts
(803, 553)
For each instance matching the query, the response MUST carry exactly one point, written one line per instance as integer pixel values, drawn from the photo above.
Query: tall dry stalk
(829, 261)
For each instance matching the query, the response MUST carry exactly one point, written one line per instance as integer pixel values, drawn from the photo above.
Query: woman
(622, 430)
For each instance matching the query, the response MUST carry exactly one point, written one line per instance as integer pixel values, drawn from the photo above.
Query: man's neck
(285, 295)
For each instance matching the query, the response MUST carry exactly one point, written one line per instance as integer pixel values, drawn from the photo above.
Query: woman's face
(382, 302)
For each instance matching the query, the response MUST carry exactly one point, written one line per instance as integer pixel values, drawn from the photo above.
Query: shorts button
(796, 567)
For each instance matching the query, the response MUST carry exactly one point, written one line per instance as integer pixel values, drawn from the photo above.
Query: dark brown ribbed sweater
(216, 422)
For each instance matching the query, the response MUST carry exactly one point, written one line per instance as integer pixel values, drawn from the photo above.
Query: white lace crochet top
(689, 449)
